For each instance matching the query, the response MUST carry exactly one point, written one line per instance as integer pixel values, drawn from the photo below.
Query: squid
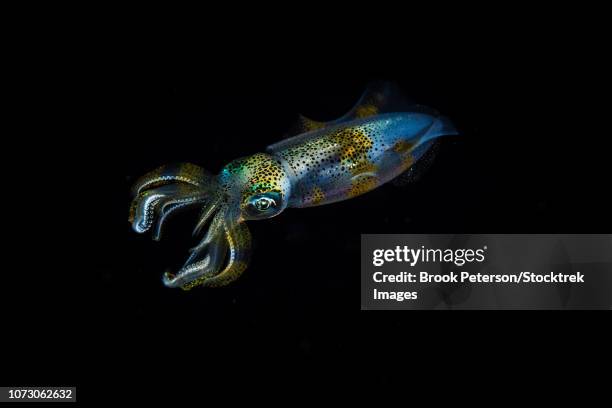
(382, 137)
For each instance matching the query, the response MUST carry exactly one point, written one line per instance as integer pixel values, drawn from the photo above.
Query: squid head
(252, 188)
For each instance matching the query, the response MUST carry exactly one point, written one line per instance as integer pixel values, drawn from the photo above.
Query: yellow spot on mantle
(317, 195)
(362, 184)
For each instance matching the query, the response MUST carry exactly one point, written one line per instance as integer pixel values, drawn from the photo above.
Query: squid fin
(379, 97)
(304, 125)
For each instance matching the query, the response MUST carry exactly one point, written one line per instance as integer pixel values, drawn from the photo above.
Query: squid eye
(264, 203)
(263, 206)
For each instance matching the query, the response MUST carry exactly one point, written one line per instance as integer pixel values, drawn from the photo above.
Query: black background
(530, 159)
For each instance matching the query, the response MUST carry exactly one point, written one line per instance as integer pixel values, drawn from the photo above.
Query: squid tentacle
(214, 232)
(213, 247)
(199, 270)
(154, 203)
(186, 173)
(172, 206)
(227, 236)
(207, 213)
(162, 192)
(239, 241)
(143, 207)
